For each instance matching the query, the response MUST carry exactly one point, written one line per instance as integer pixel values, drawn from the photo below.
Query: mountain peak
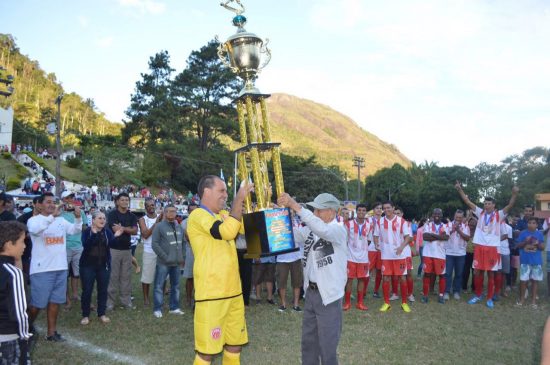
(305, 127)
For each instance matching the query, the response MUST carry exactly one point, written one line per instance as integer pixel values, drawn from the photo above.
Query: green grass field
(454, 333)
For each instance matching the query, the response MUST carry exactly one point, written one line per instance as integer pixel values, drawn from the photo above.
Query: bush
(13, 183)
(22, 172)
(74, 162)
(6, 155)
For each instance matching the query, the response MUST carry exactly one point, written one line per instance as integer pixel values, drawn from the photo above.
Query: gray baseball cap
(325, 201)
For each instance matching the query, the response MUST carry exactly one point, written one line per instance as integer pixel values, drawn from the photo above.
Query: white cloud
(144, 6)
(455, 74)
(337, 14)
(104, 42)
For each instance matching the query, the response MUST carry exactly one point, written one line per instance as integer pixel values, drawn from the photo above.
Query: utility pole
(358, 162)
(346, 183)
(58, 147)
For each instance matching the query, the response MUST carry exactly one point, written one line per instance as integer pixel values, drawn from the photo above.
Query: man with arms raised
(324, 262)
(391, 236)
(48, 272)
(486, 241)
(358, 256)
(219, 307)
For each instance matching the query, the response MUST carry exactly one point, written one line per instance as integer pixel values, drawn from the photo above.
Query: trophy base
(256, 256)
(268, 233)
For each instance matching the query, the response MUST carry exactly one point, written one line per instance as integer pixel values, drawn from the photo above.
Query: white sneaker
(457, 296)
(446, 296)
(157, 314)
(394, 297)
(253, 296)
(411, 298)
(176, 311)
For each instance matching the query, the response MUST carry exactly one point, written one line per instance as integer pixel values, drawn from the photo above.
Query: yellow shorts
(219, 323)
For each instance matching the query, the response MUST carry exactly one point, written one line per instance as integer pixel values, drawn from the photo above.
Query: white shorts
(530, 272)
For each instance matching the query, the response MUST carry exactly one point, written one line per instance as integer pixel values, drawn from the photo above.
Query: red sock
(394, 282)
(386, 290)
(404, 290)
(491, 287)
(478, 282)
(377, 282)
(410, 285)
(426, 285)
(442, 282)
(432, 283)
(348, 297)
(365, 283)
(360, 296)
(498, 282)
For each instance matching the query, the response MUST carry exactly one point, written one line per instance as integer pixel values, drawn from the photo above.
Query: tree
(304, 178)
(203, 93)
(151, 112)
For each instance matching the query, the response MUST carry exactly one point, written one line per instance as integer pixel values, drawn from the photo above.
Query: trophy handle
(222, 55)
(237, 11)
(267, 52)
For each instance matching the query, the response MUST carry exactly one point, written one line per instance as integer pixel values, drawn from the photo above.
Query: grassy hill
(305, 128)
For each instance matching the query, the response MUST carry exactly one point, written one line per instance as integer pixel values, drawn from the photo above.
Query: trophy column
(268, 230)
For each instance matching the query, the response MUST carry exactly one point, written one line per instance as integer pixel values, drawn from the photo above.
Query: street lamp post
(358, 162)
(58, 147)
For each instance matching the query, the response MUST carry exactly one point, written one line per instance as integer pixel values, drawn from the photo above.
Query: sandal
(84, 321)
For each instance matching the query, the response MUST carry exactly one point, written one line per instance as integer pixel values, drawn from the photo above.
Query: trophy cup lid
(242, 52)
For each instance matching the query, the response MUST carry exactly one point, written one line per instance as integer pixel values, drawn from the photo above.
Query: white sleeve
(330, 232)
(39, 224)
(73, 228)
(478, 212)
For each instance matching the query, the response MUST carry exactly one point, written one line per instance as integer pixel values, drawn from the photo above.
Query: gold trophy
(268, 230)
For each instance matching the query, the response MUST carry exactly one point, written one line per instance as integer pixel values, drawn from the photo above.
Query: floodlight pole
(58, 147)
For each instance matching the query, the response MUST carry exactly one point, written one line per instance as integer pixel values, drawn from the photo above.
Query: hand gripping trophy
(268, 229)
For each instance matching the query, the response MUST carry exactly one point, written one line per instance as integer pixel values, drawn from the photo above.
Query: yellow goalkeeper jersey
(216, 267)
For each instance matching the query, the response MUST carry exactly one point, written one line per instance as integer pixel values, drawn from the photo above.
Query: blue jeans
(420, 266)
(456, 264)
(88, 276)
(161, 273)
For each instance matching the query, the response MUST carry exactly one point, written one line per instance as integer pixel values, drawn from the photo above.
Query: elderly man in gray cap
(325, 276)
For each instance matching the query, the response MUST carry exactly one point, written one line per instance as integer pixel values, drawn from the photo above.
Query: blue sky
(457, 82)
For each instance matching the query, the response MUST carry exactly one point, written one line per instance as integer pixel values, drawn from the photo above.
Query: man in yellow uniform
(219, 307)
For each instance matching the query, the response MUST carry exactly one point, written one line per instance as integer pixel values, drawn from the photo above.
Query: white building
(6, 127)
